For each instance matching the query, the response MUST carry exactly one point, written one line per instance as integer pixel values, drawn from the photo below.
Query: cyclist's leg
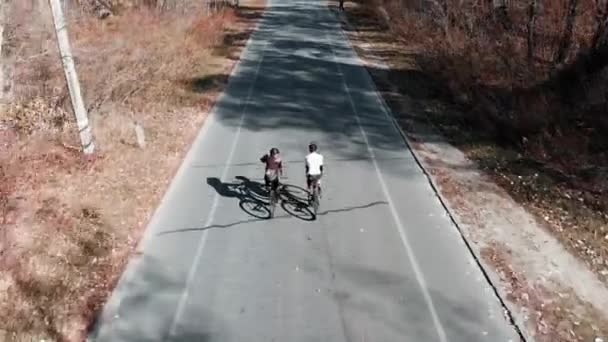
(308, 182)
(266, 181)
(318, 183)
(275, 184)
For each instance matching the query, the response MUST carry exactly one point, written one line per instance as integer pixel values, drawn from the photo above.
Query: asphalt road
(381, 261)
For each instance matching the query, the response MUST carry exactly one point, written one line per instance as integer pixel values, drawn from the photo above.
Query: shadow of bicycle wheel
(295, 193)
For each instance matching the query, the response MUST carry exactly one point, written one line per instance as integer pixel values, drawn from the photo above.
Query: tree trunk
(6, 80)
(601, 32)
(500, 13)
(566, 39)
(532, 12)
(442, 10)
(2, 66)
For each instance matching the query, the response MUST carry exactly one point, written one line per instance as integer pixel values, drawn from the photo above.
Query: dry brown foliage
(551, 316)
(485, 66)
(68, 224)
(536, 125)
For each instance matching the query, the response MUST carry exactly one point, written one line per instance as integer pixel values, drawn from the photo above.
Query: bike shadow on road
(243, 189)
(254, 198)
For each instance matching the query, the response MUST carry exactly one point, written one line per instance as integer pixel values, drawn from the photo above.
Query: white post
(82, 120)
(2, 67)
(4, 77)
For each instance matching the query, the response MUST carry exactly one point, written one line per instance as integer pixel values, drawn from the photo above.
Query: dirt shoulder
(68, 224)
(531, 239)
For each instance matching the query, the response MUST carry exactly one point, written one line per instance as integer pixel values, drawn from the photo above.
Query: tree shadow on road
(395, 300)
(144, 304)
(347, 209)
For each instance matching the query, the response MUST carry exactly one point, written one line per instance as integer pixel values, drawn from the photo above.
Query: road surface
(381, 261)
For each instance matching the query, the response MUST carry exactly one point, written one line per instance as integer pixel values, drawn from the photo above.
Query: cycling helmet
(274, 151)
(312, 146)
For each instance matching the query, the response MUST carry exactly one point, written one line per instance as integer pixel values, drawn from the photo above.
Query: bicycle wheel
(255, 208)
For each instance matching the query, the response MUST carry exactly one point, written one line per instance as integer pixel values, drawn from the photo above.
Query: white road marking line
(210, 218)
(404, 238)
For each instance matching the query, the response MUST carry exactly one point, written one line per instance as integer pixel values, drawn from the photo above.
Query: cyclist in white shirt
(314, 167)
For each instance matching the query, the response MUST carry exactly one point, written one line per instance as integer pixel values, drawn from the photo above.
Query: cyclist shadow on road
(254, 197)
(235, 190)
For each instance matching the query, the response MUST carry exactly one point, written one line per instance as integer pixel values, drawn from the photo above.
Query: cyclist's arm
(264, 160)
(321, 167)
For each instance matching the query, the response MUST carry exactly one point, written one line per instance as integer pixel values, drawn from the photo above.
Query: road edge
(491, 277)
(113, 303)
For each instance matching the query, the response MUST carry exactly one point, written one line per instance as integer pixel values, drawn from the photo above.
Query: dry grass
(552, 316)
(69, 224)
(567, 207)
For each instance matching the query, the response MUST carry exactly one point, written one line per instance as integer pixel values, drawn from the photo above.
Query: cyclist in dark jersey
(273, 169)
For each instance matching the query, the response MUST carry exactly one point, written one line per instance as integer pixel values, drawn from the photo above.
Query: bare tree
(566, 39)
(532, 12)
(601, 32)
(501, 13)
(441, 10)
